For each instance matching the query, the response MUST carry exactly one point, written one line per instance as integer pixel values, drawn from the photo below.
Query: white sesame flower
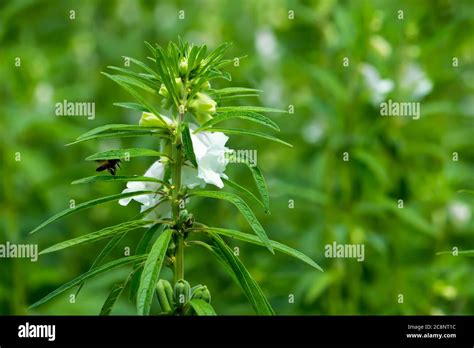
(460, 212)
(209, 149)
(377, 87)
(414, 81)
(157, 171)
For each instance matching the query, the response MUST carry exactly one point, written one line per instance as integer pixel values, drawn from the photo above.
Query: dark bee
(110, 165)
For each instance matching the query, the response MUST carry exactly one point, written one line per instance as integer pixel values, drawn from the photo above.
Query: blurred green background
(296, 51)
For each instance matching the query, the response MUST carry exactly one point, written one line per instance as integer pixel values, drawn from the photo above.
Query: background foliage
(296, 62)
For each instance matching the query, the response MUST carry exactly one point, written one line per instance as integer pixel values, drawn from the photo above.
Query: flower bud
(182, 292)
(163, 91)
(150, 120)
(183, 66)
(202, 106)
(202, 293)
(206, 85)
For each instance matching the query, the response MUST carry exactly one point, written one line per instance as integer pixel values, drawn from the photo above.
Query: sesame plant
(191, 154)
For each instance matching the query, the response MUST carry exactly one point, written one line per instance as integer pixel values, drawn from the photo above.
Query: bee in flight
(110, 165)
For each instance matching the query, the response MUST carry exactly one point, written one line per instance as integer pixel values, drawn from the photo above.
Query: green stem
(176, 181)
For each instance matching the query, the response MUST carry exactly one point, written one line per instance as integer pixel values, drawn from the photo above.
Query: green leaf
(247, 115)
(127, 134)
(216, 54)
(102, 255)
(90, 274)
(143, 247)
(247, 132)
(145, 81)
(162, 63)
(143, 66)
(188, 144)
(98, 235)
(133, 106)
(151, 272)
(243, 191)
(234, 90)
(248, 109)
(120, 128)
(460, 252)
(102, 178)
(276, 245)
(125, 153)
(241, 276)
(261, 186)
(87, 205)
(114, 294)
(244, 209)
(135, 94)
(201, 307)
(133, 81)
(234, 96)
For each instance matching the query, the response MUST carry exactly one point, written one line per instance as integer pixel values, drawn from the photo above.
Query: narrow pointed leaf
(247, 115)
(106, 178)
(243, 191)
(98, 235)
(202, 308)
(234, 90)
(143, 247)
(276, 245)
(114, 294)
(129, 81)
(112, 243)
(87, 205)
(249, 108)
(188, 145)
(261, 186)
(151, 272)
(460, 252)
(241, 276)
(143, 66)
(135, 94)
(125, 153)
(90, 274)
(247, 132)
(121, 134)
(119, 128)
(244, 209)
(133, 106)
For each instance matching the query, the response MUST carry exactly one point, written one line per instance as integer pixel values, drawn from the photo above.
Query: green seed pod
(202, 293)
(165, 295)
(182, 292)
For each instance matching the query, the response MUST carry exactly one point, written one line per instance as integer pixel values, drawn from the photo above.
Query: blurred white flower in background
(460, 212)
(414, 82)
(44, 93)
(266, 44)
(313, 131)
(377, 87)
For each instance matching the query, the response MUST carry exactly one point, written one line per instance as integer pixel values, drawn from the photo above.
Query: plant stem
(176, 181)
